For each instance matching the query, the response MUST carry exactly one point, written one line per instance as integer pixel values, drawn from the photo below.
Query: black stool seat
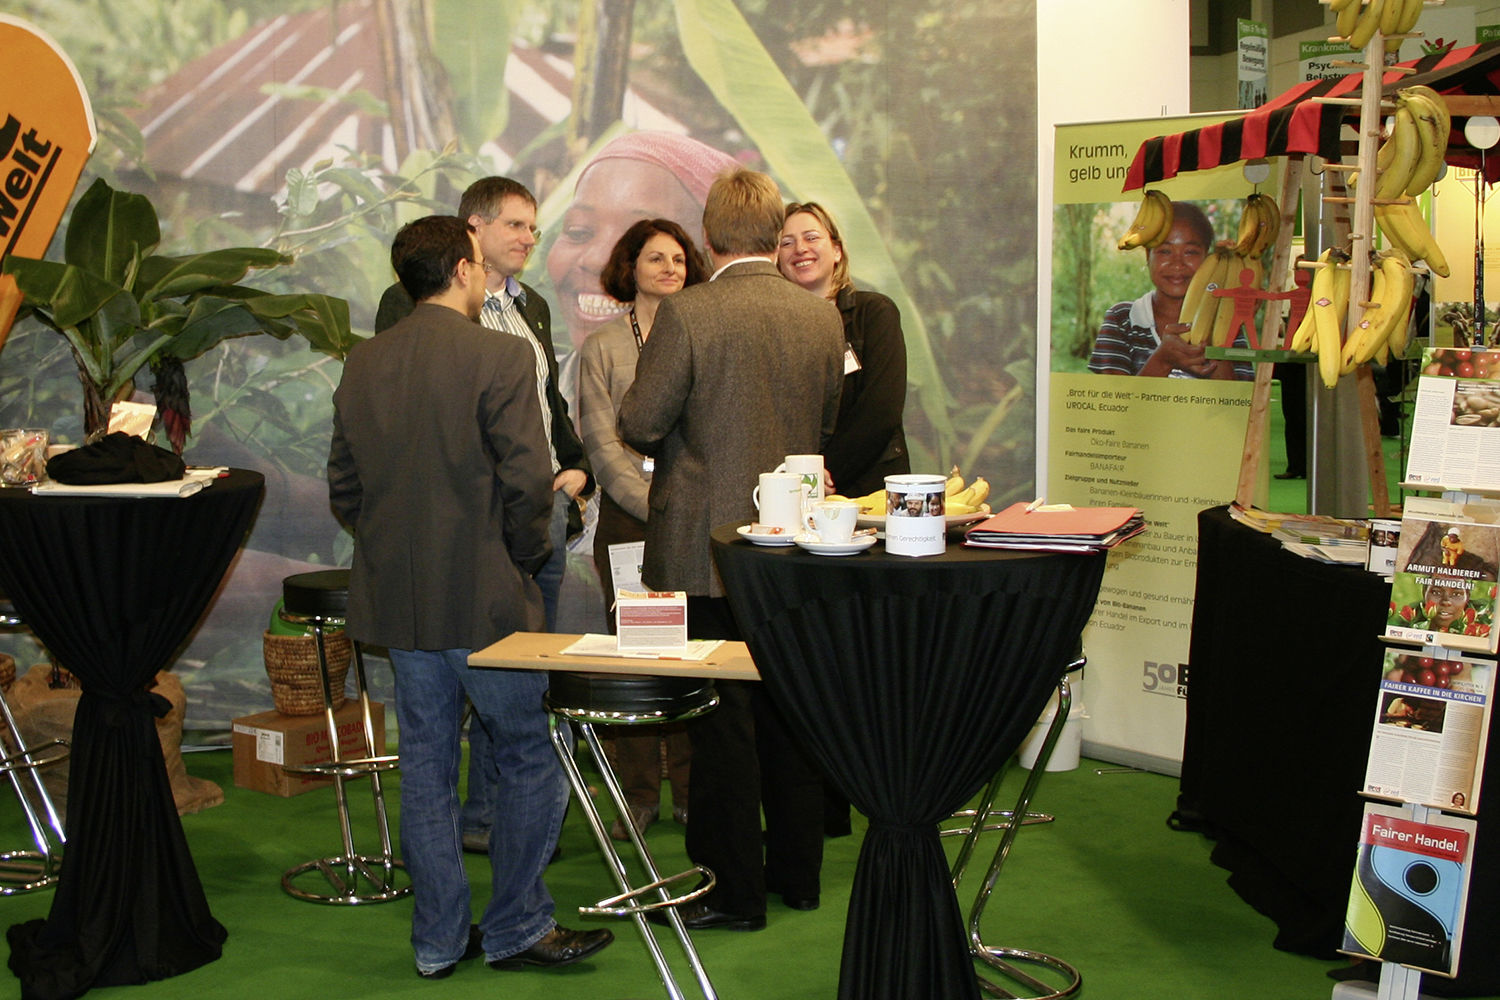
(609, 697)
(322, 593)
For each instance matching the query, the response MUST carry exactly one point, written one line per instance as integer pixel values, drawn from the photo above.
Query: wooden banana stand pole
(1358, 228)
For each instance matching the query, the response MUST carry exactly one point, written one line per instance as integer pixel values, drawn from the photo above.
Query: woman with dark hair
(651, 260)
(869, 441)
(1144, 337)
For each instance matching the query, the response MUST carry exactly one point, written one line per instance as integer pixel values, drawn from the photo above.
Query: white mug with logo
(915, 518)
(779, 500)
(833, 520)
(810, 469)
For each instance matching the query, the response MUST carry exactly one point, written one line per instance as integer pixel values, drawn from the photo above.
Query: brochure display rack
(1409, 892)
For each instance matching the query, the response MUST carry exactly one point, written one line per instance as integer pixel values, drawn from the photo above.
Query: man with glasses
(439, 466)
(502, 213)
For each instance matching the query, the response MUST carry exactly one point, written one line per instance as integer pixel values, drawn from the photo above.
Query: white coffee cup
(915, 523)
(834, 520)
(810, 469)
(779, 500)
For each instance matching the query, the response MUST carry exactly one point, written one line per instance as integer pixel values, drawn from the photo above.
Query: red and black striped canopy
(1295, 123)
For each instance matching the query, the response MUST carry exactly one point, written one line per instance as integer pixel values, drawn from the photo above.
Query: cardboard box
(651, 622)
(265, 742)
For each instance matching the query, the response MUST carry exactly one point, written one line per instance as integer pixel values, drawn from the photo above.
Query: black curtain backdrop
(112, 587)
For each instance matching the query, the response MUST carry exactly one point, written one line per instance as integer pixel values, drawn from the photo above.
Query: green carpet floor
(1136, 907)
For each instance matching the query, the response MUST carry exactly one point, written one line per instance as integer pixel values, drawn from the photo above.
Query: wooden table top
(544, 651)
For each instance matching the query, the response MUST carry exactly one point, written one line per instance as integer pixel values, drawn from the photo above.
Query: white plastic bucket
(1070, 740)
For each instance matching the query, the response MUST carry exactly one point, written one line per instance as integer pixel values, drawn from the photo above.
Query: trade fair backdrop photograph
(318, 129)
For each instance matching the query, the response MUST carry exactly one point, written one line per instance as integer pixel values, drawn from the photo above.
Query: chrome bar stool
(25, 870)
(579, 701)
(320, 599)
(1063, 979)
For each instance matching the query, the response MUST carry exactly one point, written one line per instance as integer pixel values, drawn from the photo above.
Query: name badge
(851, 363)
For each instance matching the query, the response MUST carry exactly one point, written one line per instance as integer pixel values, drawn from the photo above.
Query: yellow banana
(1369, 331)
(1198, 287)
(1390, 16)
(1367, 25)
(1393, 175)
(1328, 315)
(1335, 6)
(1403, 224)
(1251, 222)
(1397, 269)
(981, 490)
(1430, 113)
(1270, 226)
(1348, 18)
(953, 483)
(1202, 316)
(1302, 336)
(1411, 10)
(1392, 288)
(1153, 221)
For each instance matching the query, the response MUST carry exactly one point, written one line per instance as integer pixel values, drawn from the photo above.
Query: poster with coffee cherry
(1443, 591)
(1455, 442)
(1432, 719)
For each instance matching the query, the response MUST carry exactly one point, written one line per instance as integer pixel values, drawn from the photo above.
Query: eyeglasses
(517, 227)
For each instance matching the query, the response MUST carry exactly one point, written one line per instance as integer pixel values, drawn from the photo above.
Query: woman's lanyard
(635, 328)
(648, 464)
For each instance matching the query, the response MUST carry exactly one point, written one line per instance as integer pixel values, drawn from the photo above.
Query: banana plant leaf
(173, 277)
(109, 231)
(475, 55)
(726, 53)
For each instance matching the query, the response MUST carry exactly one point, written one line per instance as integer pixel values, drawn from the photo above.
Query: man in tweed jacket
(738, 373)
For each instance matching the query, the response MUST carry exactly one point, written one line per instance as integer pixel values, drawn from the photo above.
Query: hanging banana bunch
(1153, 221)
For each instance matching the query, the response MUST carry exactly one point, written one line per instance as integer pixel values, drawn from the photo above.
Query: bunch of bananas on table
(1210, 315)
(1406, 164)
(1153, 221)
(1358, 21)
(959, 497)
(1383, 327)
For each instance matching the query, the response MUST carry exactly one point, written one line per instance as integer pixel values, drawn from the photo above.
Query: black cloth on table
(112, 587)
(1284, 671)
(911, 681)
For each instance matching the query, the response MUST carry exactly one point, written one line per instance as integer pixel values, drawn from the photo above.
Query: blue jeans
(479, 804)
(531, 792)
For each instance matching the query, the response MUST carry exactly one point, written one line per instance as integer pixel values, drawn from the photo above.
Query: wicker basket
(292, 665)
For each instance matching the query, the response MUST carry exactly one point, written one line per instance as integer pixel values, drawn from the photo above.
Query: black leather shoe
(472, 950)
(699, 916)
(560, 946)
(800, 902)
(1291, 475)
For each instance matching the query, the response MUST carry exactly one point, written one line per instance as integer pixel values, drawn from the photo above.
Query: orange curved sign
(46, 136)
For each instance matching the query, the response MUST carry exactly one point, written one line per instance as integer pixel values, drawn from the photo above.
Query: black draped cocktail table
(112, 587)
(910, 680)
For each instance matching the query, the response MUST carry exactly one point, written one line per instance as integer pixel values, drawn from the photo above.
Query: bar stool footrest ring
(352, 768)
(1002, 959)
(52, 752)
(344, 874)
(24, 871)
(626, 903)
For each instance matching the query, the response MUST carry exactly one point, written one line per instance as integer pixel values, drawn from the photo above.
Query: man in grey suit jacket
(439, 465)
(738, 373)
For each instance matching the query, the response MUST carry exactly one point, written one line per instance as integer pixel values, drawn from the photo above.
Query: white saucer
(783, 539)
(830, 549)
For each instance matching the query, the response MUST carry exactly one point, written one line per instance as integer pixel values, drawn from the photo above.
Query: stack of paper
(1056, 528)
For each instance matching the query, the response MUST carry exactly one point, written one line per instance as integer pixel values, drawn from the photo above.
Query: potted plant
(122, 306)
